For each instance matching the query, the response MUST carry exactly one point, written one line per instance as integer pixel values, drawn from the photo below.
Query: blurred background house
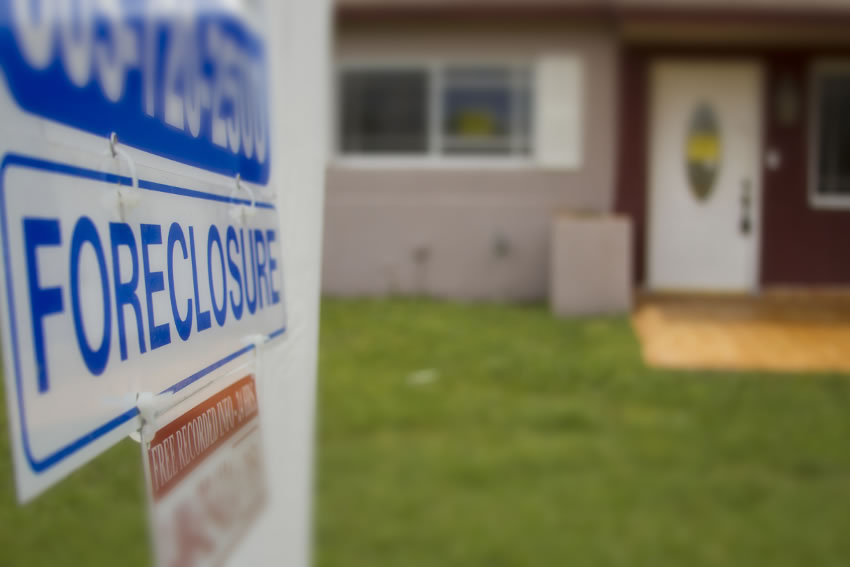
(687, 145)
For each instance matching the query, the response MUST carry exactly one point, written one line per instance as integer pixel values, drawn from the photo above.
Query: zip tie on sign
(241, 213)
(258, 341)
(127, 197)
(148, 407)
(151, 406)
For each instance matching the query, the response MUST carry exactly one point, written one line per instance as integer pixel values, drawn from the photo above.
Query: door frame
(758, 171)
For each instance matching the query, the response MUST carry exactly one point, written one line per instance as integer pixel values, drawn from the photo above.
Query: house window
(384, 112)
(486, 111)
(831, 136)
(442, 110)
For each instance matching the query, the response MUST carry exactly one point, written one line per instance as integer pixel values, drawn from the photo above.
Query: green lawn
(91, 519)
(476, 435)
(546, 442)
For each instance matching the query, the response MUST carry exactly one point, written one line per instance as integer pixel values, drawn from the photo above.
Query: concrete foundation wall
(466, 231)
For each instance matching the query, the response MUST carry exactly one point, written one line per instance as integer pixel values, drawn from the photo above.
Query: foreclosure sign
(139, 245)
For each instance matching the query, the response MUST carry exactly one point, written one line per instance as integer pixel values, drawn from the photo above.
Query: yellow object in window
(474, 122)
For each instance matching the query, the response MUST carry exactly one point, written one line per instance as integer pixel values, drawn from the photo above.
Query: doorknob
(746, 206)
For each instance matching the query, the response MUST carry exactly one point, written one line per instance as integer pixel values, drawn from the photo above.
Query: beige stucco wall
(460, 231)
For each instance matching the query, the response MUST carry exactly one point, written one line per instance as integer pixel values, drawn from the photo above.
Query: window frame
(434, 157)
(818, 200)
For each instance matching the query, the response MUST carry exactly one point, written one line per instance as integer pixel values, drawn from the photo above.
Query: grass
(547, 442)
(485, 435)
(95, 518)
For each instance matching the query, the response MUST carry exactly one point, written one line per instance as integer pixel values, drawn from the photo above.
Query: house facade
(463, 128)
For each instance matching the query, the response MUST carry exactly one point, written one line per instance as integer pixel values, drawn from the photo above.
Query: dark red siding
(632, 173)
(800, 244)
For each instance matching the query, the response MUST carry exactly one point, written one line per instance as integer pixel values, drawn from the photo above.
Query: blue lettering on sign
(41, 232)
(232, 262)
(43, 302)
(85, 231)
(120, 234)
(188, 88)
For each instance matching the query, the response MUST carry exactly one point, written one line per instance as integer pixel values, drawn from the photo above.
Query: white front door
(705, 176)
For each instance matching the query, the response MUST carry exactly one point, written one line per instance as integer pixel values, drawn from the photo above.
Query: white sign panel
(205, 477)
(145, 266)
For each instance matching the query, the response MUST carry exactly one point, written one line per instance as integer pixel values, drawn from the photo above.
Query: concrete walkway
(781, 331)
